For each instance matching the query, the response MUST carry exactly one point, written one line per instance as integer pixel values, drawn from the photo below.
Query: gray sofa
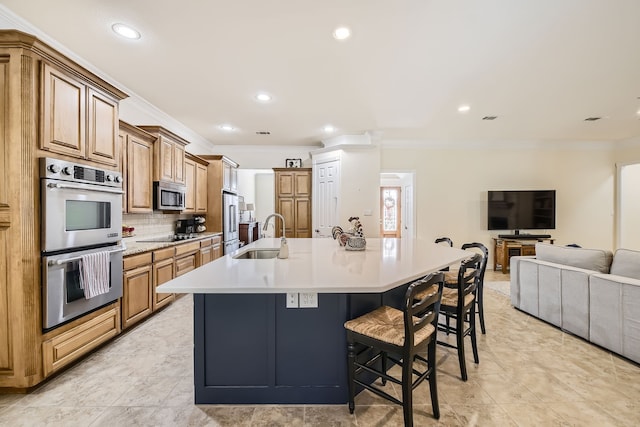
(590, 293)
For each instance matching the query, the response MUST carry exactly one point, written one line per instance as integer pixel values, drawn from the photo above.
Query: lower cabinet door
(163, 271)
(137, 295)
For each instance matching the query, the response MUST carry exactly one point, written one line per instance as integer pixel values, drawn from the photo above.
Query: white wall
(630, 207)
(360, 188)
(257, 186)
(451, 188)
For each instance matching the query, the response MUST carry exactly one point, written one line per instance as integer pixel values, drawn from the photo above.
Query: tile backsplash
(153, 223)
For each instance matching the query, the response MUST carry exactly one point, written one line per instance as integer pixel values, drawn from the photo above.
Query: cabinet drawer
(187, 247)
(67, 347)
(134, 261)
(215, 240)
(165, 253)
(528, 250)
(185, 264)
(205, 242)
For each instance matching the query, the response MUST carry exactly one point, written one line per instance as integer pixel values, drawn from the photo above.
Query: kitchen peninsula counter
(249, 348)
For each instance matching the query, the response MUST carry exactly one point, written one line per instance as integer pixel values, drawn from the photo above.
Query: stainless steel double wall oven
(81, 214)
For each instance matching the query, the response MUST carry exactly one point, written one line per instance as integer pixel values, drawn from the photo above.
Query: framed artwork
(293, 163)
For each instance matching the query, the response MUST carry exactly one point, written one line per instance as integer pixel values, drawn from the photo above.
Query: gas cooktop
(170, 238)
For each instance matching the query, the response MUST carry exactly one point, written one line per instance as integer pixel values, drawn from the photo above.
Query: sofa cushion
(589, 259)
(626, 263)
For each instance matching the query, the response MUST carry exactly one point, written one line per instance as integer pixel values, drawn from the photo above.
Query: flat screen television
(521, 210)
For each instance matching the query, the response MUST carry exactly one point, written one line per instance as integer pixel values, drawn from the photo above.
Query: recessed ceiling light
(263, 97)
(125, 31)
(463, 108)
(341, 33)
(329, 129)
(227, 128)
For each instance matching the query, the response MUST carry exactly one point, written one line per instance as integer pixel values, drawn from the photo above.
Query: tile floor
(530, 374)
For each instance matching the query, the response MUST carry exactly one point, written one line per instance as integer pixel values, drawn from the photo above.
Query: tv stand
(518, 236)
(518, 245)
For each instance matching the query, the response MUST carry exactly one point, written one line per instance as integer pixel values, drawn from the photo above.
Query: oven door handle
(74, 187)
(76, 258)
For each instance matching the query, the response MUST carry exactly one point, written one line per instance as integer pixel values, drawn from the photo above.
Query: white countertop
(319, 265)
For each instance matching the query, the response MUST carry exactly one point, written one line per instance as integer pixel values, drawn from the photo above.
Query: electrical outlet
(292, 300)
(308, 300)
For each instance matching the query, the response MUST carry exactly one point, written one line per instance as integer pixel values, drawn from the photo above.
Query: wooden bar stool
(381, 335)
(459, 303)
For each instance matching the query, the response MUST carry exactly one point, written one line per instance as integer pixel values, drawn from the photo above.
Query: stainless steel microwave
(169, 196)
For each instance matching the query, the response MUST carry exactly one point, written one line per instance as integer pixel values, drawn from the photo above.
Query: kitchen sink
(258, 254)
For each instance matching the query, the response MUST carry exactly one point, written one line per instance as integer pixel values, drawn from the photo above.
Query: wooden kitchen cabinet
(137, 169)
(78, 120)
(201, 188)
(293, 201)
(50, 106)
(187, 257)
(196, 182)
(137, 289)
(63, 349)
(210, 250)
(190, 182)
(249, 231)
(163, 271)
(168, 155)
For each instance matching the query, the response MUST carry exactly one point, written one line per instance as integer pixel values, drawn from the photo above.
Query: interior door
(390, 212)
(325, 197)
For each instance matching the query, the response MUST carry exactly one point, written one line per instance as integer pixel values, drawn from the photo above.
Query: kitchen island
(250, 348)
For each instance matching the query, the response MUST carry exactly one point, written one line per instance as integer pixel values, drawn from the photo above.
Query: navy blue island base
(251, 349)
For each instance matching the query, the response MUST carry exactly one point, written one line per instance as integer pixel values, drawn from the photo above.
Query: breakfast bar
(271, 330)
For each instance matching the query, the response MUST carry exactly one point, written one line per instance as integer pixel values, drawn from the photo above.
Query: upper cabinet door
(139, 175)
(201, 188)
(103, 128)
(165, 162)
(190, 177)
(303, 184)
(178, 164)
(63, 113)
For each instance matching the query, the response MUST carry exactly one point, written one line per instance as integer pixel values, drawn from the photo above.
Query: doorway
(405, 180)
(391, 212)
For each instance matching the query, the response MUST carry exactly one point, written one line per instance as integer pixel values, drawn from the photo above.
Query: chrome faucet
(284, 248)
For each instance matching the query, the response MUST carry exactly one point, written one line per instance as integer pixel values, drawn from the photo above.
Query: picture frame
(293, 163)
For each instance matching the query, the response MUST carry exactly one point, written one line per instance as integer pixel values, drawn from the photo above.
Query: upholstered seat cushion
(386, 324)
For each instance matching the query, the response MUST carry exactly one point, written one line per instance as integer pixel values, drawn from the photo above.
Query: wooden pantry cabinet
(293, 201)
(137, 168)
(168, 155)
(50, 107)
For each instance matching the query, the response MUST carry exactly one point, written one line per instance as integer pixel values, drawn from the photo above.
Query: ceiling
(542, 67)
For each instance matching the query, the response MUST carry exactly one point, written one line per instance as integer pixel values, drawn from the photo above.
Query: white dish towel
(94, 273)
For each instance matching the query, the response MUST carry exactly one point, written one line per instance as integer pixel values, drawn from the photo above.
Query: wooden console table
(249, 232)
(504, 249)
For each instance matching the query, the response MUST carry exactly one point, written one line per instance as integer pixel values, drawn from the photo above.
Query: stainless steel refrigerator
(231, 218)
